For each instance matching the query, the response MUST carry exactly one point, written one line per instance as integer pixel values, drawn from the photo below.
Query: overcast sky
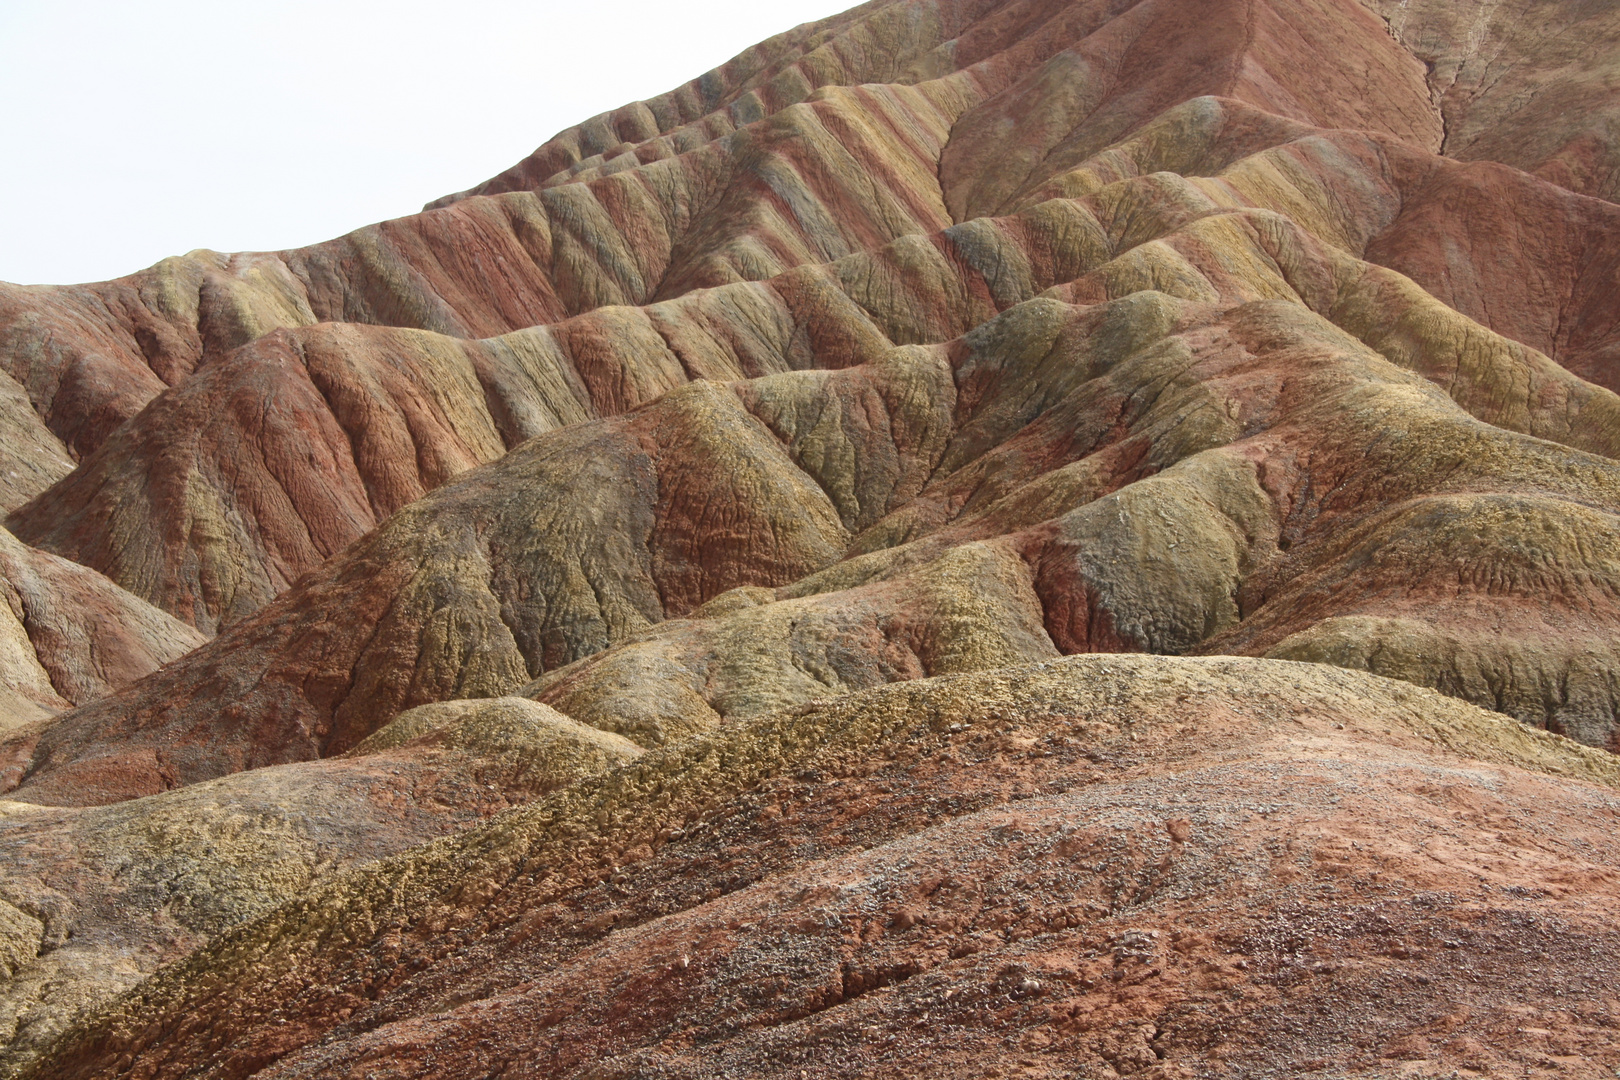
(137, 129)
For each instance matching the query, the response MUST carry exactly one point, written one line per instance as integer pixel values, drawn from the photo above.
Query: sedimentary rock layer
(68, 636)
(1152, 473)
(662, 557)
(1126, 863)
(209, 504)
(791, 154)
(99, 899)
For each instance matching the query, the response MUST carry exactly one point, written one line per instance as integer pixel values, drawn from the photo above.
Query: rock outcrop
(1281, 478)
(68, 636)
(1122, 863)
(1529, 83)
(209, 505)
(624, 620)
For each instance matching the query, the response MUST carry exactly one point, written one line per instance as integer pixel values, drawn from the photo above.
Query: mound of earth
(105, 896)
(68, 636)
(1111, 865)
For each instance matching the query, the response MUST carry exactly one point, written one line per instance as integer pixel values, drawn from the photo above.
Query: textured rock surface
(68, 636)
(1125, 863)
(31, 458)
(1285, 474)
(1530, 83)
(718, 491)
(784, 157)
(209, 505)
(104, 896)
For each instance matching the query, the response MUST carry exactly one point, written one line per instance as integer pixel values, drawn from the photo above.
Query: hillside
(626, 620)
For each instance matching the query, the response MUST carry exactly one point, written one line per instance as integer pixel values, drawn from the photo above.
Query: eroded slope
(782, 433)
(1132, 863)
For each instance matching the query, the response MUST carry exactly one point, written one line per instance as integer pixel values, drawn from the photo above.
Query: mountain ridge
(988, 537)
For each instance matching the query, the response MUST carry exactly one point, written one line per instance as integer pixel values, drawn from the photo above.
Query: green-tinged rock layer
(343, 959)
(716, 500)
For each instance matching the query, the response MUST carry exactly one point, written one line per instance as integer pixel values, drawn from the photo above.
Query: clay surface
(1137, 866)
(68, 636)
(981, 538)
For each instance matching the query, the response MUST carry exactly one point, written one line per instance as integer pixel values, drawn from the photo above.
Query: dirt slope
(1123, 865)
(623, 620)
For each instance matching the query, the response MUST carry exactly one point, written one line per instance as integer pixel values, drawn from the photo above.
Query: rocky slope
(1118, 865)
(1321, 491)
(809, 182)
(784, 434)
(68, 636)
(105, 896)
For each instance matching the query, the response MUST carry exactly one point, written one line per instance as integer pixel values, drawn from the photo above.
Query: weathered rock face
(31, 458)
(68, 636)
(1529, 83)
(1281, 476)
(791, 154)
(110, 894)
(209, 505)
(1107, 861)
(720, 490)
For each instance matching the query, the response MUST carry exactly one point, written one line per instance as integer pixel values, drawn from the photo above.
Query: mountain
(69, 636)
(627, 619)
(1114, 864)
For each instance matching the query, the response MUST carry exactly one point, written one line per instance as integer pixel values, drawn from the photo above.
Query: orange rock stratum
(982, 538)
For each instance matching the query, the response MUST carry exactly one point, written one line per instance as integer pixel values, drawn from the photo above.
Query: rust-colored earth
(982, 538)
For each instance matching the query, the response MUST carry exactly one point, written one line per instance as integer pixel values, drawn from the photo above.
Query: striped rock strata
(695, 520)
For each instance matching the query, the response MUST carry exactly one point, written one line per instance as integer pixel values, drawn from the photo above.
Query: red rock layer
(1268, 429)
(791, 426)
(68, 636)
(1136, 866)
(384, 438)
(755, 147)
(1524, 82)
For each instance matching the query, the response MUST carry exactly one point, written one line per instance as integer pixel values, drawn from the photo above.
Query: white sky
(135, 129)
